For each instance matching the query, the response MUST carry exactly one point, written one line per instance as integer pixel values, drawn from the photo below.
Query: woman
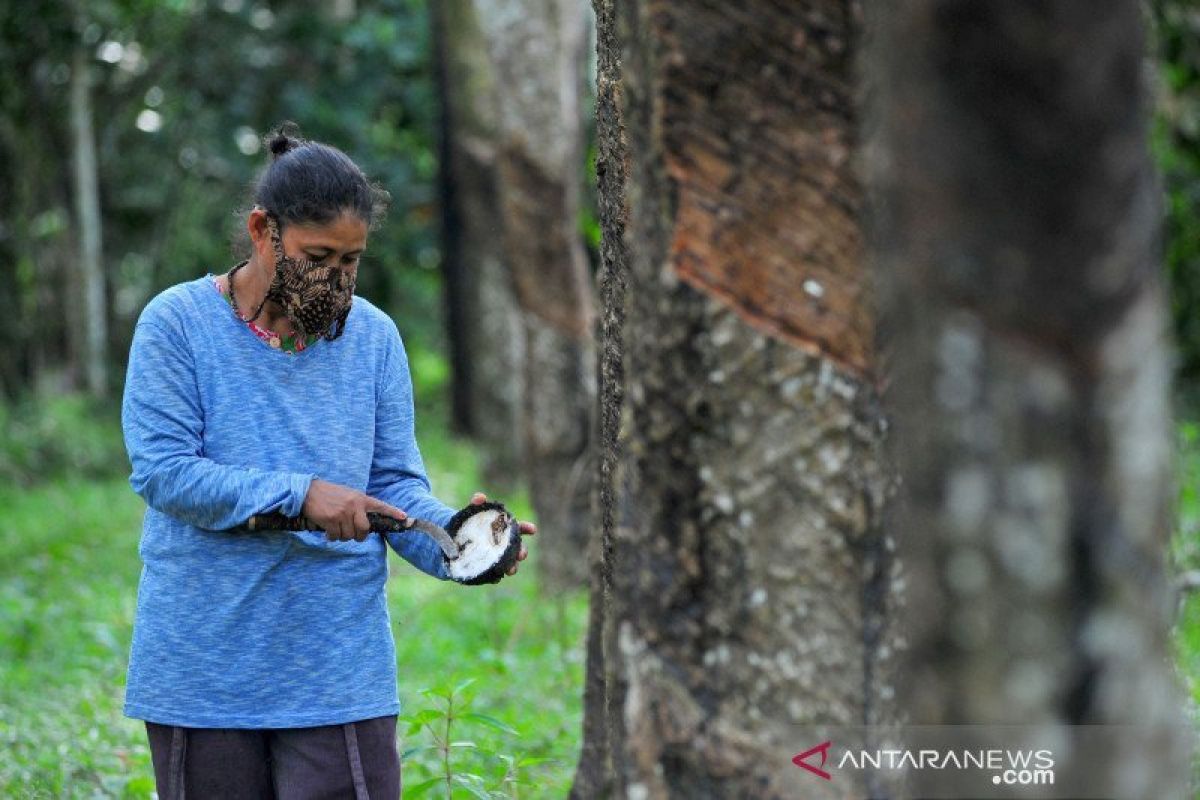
(263, 663)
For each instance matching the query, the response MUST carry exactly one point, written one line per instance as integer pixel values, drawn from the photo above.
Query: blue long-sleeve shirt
(265, 630)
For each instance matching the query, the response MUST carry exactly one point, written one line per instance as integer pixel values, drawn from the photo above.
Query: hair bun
(284, 138)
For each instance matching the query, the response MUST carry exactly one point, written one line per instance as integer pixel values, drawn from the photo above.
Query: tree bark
(90, 268)
(485, 336)
(595, 773)
(750, 587)
(536, 51)
(1017, 260)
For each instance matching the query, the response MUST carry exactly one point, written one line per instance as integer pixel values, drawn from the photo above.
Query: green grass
(68, 581)
(68, 578)
(1185, 555)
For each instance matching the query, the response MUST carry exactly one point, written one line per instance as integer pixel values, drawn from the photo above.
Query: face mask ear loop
(258, 310)
(276, 240)
(277, 246)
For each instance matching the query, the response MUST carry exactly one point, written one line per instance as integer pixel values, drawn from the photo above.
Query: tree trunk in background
(485, 335)
(750, 579)
(537, 50)
(90, 269)
(23, 349)
(1017, 259)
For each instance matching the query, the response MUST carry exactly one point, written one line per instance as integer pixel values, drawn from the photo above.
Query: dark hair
(310, 182)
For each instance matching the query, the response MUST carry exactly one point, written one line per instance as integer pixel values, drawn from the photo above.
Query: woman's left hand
(526, 529)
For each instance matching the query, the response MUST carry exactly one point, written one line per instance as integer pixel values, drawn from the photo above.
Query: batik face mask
(314, 296)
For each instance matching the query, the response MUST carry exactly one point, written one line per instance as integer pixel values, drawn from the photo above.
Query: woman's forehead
(346, 232)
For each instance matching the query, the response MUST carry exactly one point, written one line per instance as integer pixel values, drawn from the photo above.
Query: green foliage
(59, 436)
(589, 219)
(68, 579)
(1185, 547)
(68, 576)
(181, 91)
(1176, 145)
(1185, 555)
(443, 723)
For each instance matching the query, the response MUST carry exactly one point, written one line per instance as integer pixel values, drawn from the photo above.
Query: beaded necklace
(288, 343)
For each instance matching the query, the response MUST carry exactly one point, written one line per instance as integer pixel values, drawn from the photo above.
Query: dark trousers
(357, 760)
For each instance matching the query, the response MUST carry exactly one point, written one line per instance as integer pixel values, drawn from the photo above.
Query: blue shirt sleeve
(397, 471)
(162, 421)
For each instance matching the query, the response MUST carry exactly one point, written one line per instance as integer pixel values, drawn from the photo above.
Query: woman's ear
(260, 233)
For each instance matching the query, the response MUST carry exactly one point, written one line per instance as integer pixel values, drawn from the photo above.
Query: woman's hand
(342, 511)
(526, 529)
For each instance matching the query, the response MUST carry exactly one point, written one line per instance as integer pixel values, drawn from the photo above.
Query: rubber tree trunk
(537, 50)
(485, 336)
(1017, 258)
(90, 269)
(743, 580)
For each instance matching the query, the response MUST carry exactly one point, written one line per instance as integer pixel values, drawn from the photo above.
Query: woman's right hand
(342, 511)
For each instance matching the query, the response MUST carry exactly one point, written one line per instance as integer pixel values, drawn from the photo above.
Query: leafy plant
(442, 722)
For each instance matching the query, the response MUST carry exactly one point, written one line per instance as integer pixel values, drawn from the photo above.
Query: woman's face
(339, 242)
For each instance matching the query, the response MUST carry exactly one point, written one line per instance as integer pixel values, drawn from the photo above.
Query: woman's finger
(385, 509)
(527, 528)
(362, 526)
(478, 497)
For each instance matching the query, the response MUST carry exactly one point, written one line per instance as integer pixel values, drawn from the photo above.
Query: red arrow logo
(823, 749)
